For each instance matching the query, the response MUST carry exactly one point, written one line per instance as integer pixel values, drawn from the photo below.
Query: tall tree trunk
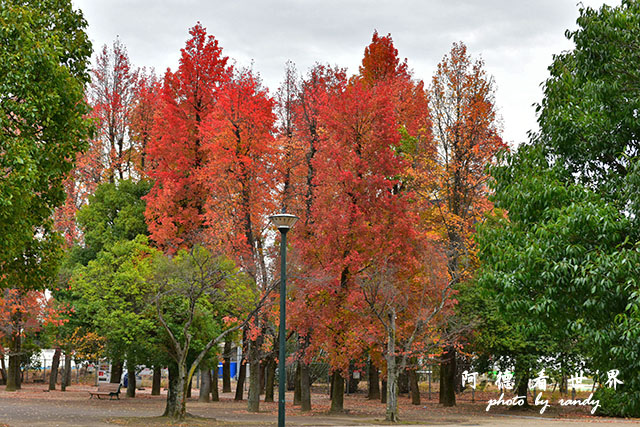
(270, 379)
(522, 377)
(214, 385)
(383, 395)
(242, 375)
(116, 371)
(172, 395)
(14, 377)
(131, 378)
(337, 393)
(392, 371)
(157, 380)
(254, 376)
(403, 381)
(305, 387)
(263, 370)
(205, 383)
(66, 374)
(226, 367)
(3, 369)
(374, 382)
(353, 382)
(305, 376)
(55, 363)
(447, 377)
(297, 392)
(413, 385)
(180, 410)
(188, 388)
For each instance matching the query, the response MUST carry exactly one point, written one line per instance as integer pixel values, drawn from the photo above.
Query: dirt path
(34, 407)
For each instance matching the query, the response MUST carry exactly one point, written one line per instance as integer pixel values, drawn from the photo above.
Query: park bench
(106, 389)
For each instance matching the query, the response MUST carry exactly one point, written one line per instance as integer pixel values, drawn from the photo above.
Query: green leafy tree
(589, 115)
(198, 291)
(112, 292)
(563, 271)
(567, 256)
(44, 54)
(114, 213)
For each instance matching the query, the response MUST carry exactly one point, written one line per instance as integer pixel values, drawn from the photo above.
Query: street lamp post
(283, 222)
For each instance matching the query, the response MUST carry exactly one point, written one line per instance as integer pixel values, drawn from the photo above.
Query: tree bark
(131, 379)
(116, 372)
(392, 371)
(447, 377)
(55, 363)
(337, 393)
(14, 377)
(254, 377)
(226, 367)
(374, 382)
(297, 392)
(189, 387)
(157, 380)
(3, 369)
(413, 386)
(305, 387)
(66, 373)
(214, 385)
(176, 392)
(242, 375)
(205, 384)
(522, 378)
(353, 382)
(270, 379)
(403, 381)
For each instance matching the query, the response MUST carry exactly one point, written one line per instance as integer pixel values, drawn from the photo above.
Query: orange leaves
(175, 208)
(23, 312)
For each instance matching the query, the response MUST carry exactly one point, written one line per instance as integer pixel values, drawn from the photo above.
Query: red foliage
(24, 312)
(239, 174)
(176, 153)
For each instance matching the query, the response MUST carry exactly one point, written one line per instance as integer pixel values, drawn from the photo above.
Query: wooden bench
(106, 389)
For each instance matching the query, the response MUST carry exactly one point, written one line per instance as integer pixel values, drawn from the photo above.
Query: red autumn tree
(467, 135)
(241, 179)
(146, 103)
(176, 155)
(300, 102)
(111, 94)
(21, 313)
(112, 152)
(240, 172)
(357, 216)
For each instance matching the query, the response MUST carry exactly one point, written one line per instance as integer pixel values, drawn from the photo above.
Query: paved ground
(34, 407)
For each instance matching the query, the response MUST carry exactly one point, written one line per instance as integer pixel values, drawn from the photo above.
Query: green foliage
(43, 63)
(567, 258)
(562, 263)
(209, 286)
(113, 293)
(115, 212)
(589, 115)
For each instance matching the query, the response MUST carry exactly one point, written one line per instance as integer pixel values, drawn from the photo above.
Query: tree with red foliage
(241, 180)
(299, 105)
(239, 173)
(176, 151)
(111, 95)
(357, 216)
(111, 155)
(468, 138)
(146, 102)
(22, 313)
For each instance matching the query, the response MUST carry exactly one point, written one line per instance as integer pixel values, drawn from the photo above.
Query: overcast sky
(515, 38)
